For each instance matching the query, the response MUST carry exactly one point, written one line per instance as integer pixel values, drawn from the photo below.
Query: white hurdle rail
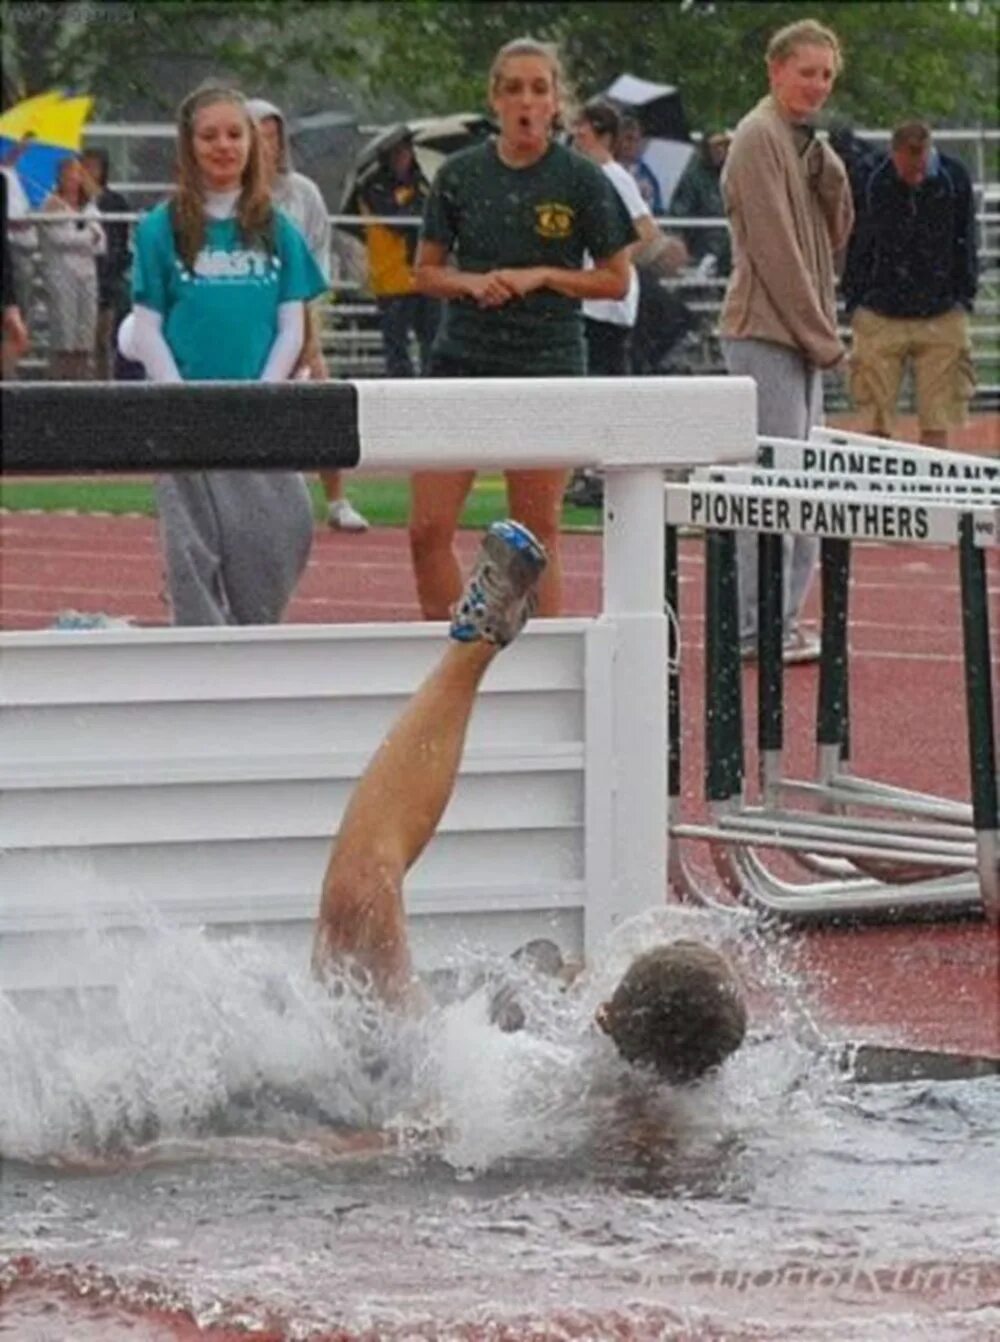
(200, 773)
(927, 497)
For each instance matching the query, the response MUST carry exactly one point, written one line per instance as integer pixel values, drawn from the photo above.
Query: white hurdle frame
(634, 428)
(748, 499)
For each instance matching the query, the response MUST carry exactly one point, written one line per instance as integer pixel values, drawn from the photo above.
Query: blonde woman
(506, 229)
(789, 206)
(70, 249)
(220, 288)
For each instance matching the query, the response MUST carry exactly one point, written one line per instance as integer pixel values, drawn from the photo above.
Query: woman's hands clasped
(497, 287)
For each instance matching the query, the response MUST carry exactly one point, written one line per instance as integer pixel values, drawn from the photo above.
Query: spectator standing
(21, 234)
(698, 195)
(398, 189)
(608, 322)
(516, 216)
(910, 285)
(220, 289)
(630, 147)
(302, 200)
(70, 249)
(113, 265)
(15, 333)
(789, 206)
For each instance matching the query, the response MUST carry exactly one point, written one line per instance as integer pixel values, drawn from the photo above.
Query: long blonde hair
(254, 210)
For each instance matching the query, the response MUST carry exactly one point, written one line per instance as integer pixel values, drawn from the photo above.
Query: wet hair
(254, 211)
(805, 33)
(678, 1009)
(913, 134)
(547, 51)
(603, 118)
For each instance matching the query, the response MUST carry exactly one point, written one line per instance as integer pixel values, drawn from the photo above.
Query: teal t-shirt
(490, 216)
(221, 319)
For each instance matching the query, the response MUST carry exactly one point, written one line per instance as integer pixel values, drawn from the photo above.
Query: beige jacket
(790, 215)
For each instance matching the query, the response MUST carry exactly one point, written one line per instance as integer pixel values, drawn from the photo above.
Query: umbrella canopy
(657, 107)
(433, 139)
(37, 134)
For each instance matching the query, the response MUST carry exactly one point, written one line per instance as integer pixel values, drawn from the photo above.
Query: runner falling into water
(677, 1009)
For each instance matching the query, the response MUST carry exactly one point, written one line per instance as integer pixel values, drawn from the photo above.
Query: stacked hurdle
(877, 848)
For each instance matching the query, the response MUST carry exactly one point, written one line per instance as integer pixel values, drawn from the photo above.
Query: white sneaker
(800, 645)
(341, 515)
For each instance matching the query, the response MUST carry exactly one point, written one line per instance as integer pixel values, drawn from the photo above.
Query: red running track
(926, 986)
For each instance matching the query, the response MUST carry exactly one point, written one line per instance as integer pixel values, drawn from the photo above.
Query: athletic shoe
(800, 646)
(80, 619)
(343, 516)
(500, 593)
(797, 646)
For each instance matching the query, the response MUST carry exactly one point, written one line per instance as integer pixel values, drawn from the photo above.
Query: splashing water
(208, 1083)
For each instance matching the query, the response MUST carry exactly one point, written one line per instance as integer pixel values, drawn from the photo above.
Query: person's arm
(117, 235)
(965, 265)
(833, 189)
(15, 334)
(62, 236)
(145, 343)
(756, 195)
(435, 278)
(608, 278)
(856, 279)
(285, 351)
(97, 236)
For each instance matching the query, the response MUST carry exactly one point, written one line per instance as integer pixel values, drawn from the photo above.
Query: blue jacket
(914, 250)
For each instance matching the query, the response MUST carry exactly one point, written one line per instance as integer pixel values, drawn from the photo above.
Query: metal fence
(352, 342)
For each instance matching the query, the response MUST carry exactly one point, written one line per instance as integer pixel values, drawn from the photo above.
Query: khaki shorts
(942, 367)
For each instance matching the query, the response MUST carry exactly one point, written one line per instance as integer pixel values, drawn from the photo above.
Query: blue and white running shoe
(501, 592)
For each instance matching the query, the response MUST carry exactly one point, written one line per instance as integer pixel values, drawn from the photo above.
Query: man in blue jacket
(910, 286)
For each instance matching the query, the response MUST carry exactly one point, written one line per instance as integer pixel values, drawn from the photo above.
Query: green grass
(384, 500)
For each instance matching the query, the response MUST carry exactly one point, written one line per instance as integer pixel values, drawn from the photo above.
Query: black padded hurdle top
(74, 428)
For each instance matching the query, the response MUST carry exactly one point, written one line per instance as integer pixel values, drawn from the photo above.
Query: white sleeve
(287, 343)
(144, 341)
(98, 236)
(627, 187)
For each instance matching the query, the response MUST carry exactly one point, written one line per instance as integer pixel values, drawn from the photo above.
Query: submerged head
(678, 1009)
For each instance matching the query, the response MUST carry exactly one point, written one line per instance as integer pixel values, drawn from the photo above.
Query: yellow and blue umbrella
(45, 129)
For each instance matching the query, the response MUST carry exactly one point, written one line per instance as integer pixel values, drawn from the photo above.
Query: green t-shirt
(489, 217)
(221, 319)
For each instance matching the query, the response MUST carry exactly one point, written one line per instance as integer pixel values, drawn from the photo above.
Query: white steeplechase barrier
(198, 774)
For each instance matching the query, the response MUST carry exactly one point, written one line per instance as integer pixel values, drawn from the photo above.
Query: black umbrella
(657, 107)
(433, 139)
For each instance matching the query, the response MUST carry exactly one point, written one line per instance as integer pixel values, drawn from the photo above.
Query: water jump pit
(183, 1160)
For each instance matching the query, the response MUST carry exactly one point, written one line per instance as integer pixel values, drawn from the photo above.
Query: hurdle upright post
(634, 592)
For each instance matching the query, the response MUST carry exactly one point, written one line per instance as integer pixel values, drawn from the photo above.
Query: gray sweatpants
(236, 543)
(789, 402)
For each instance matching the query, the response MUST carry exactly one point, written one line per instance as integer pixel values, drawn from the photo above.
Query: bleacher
(353, 347)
